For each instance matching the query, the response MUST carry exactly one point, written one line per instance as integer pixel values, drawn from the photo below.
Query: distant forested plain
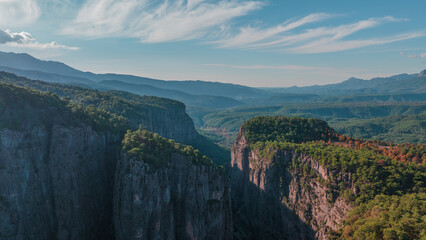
(399, 122)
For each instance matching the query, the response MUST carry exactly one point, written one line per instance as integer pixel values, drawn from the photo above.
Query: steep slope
(57, 170)
(273, 201)
(289, 184)
(163, 116)
(48, 77)
(56, 167)
(165, 190)
(160, 115)
(23, 61)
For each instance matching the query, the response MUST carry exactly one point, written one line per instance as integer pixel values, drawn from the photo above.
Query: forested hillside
(397, 122)
(367, 175)
(160, 115)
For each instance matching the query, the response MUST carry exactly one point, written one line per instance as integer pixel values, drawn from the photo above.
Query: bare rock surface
(179, 201)
(272, 202)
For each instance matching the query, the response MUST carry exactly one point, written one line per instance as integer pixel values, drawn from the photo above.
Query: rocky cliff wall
(55, 182)
(270, 201)
(179, 201)
(172, 123)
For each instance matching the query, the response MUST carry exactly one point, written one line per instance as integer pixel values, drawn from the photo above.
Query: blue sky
(255, 43)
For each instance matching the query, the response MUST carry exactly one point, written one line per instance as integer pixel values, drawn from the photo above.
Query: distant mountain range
(402, 83)
(216, 95)
(51, 70)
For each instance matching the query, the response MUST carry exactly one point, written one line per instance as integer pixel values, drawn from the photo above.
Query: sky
(274, 43)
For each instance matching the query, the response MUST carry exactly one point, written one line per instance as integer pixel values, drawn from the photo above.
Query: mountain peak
(353, 79)
(422, 73)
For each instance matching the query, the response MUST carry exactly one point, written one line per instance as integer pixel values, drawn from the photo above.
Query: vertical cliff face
(271, 201)
(58, 165)
(172, 123)
(177, 202)
(55, 181)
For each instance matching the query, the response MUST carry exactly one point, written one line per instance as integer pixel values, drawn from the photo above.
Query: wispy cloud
(334, 45)
(18, 12)
(421, 55)
(25, 40)
(315, 40)
(250, 37)
(154, 22)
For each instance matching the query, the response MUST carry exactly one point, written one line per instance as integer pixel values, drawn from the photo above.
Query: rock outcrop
(170, 122)
(272, 202)
(58, 165)
(179, 200)
(55, 183)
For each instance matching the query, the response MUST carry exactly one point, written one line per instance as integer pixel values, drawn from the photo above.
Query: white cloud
(327, 44)
(25, 40)
(156, 22)
(421, 55)
(18, 12)
(317, 40)
(249, 37)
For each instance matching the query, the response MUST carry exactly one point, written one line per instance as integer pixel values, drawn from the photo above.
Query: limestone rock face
(272, 202)
(169, 122)
(55, 182)
(179, 201)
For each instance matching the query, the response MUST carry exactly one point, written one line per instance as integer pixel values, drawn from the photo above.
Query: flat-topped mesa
(165, 190)
(295, 178)
(286, 129)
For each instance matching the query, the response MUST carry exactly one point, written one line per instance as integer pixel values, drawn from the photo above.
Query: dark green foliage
(388, 217)
(23, 106)
(136, 109)
(388, 193)
(128, 105)
(398, 125)
(372, 173)
(157, 151)
(281, 99)
(398, 129)
(286, 129)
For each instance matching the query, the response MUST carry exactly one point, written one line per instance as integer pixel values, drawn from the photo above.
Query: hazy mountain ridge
(28, 66)
(26, 62)
(401, 83)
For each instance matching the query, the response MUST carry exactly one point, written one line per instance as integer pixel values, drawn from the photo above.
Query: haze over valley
(205, 119)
